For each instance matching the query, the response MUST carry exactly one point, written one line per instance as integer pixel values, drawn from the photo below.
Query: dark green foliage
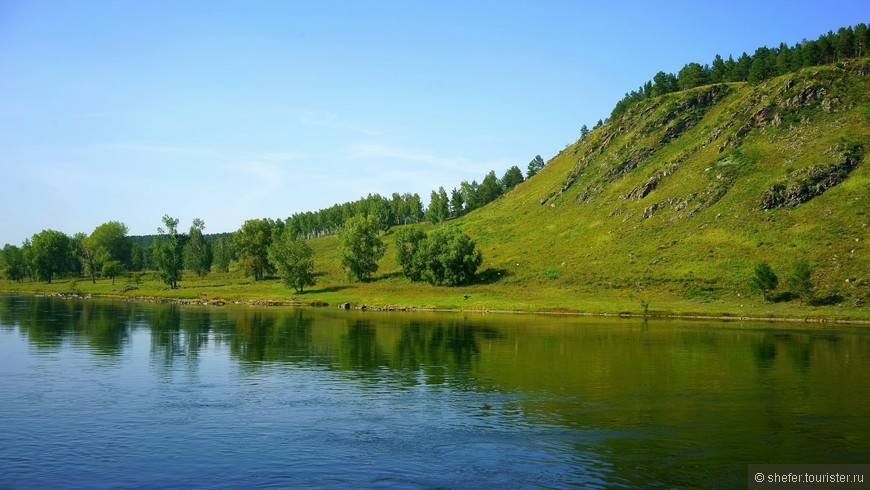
(800, 281)
(489, 189)
(469, 195)
(450, 257)
(693, 75)
(764, 280)
(361, 247)
(764, 64)
(535, 166)
(251, 243)
(222, 254)
(408, 242)
(137, 257)
(111, 268)
(111, 243)
(445, 256)
(439, 206)
(294, 261)
(512, 177)
(400, 209)
(197, 252)
(12, 263)
(86, 251)
(167, 250)
(664, 83)
(52, 253)
(457, 202)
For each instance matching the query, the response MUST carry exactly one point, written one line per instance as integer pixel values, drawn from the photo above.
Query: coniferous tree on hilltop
(765, 63)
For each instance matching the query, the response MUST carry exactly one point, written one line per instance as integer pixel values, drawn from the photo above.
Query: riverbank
(393, 293)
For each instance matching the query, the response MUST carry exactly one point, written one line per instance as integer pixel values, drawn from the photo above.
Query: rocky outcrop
(804, 184)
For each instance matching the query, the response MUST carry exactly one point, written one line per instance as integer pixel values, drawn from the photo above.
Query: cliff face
(688, 191)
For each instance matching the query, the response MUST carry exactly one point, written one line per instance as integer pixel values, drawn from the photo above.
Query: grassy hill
(669, 208)
(675, 202)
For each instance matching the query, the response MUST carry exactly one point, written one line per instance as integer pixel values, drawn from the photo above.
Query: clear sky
(230, 110)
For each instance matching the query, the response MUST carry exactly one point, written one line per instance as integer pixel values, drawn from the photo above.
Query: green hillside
(676, 201)
(666, 209)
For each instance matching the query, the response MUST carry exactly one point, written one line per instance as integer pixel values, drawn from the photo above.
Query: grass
(594, 252)
(534, 295)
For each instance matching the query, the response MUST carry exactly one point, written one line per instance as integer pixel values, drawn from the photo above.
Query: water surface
(98, 394)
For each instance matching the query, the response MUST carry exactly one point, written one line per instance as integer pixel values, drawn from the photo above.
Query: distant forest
(765, 63)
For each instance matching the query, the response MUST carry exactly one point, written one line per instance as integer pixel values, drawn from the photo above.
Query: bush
(444, 257)
(408, 242)
(764, 280)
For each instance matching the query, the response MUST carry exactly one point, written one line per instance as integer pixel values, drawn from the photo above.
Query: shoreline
(348, 306)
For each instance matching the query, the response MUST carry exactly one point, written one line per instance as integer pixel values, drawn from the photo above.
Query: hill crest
(689, 190)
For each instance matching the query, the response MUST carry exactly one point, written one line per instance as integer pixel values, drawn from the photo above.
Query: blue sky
(226, 111)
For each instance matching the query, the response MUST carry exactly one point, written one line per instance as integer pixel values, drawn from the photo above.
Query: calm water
(108, 394)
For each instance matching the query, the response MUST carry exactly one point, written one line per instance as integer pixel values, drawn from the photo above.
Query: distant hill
(686, 192)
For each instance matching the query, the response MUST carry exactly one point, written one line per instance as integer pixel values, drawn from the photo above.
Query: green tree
(415, 208)
(664, 83)
(717, 71)
(12, 263)
(86, 251)
(361, 247)
(512, 177)
(439, 207)
(741, 68)
(27, 253)
(53, 254)
(223, 254)
(294, 260)
(197, 252)
(764, 280)
(457, 203)
(449, 257)
(800, 281)
(111, 243)
(783, 61)
(490, 189)
(379, 208)
(584, 131)
(470, 195)
(535, 166)
(137, 257)
(251, 244)
(862, 39)
(112, 268)
(759, 69)
(408, 241)
(692, 75)
(168, 247)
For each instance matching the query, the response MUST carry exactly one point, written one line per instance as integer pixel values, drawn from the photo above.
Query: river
(107, 394)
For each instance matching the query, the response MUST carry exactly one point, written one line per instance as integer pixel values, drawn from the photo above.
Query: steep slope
(685, 193)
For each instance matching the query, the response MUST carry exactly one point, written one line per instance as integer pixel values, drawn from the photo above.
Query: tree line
(260, 248)
(399, 209)
(764, 63)
(470, 196)
(107, 252)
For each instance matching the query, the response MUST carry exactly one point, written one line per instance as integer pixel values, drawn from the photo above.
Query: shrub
(764, 280)
(444, 257)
